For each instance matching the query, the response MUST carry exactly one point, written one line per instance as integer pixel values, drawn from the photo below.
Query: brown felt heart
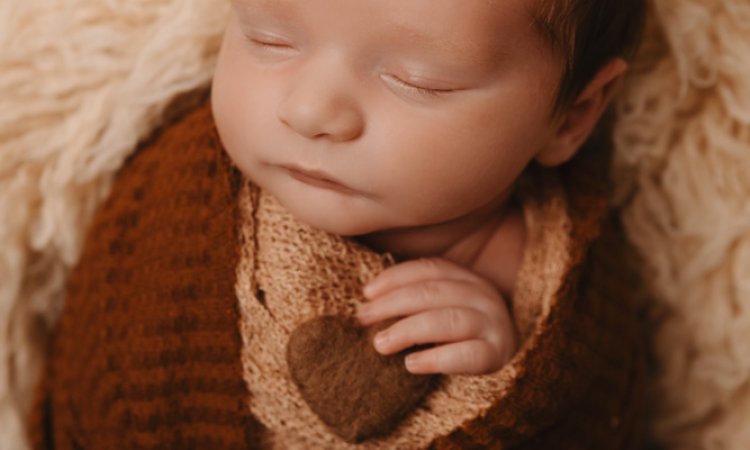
(357, 392)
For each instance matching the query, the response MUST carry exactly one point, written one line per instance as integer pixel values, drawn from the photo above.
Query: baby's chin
(349, 218)
(341, 225)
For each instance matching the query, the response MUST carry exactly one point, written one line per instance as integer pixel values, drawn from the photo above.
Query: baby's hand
(442, 302)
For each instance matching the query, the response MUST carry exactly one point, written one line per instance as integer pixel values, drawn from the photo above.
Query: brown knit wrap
(175, 328)
(146, 354)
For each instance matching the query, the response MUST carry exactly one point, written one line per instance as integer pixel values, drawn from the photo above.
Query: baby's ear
(576, 122)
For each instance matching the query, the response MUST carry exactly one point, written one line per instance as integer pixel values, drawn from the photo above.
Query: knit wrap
(177, 317)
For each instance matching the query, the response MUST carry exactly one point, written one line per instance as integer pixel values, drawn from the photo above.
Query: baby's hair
(587, 34)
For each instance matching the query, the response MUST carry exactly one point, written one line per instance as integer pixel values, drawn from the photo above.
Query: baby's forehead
(479, 28)
(411, 13)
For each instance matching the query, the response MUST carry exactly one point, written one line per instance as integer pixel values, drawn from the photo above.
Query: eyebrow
(428, 40)
(470, 52)
(278, 8)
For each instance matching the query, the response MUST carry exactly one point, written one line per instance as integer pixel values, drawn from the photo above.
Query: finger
(438, 325)
(472, 357)
(417, 270)
(432, 294)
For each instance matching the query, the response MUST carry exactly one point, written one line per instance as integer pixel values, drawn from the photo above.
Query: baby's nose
(317, 117)
(322, 104)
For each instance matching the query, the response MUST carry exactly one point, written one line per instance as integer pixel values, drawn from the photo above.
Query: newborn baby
(425, 130)
(405, 125)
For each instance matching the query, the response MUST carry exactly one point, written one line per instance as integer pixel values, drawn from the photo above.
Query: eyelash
(422, 91)
(271, 45)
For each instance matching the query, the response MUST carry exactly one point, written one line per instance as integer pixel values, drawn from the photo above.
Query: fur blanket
(81, 81)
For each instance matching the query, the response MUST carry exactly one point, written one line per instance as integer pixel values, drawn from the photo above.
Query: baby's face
(428, 110)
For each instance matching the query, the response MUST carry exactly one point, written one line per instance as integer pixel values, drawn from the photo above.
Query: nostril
(303, 118)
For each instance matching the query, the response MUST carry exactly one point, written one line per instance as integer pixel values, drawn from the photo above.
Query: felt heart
(357, 392)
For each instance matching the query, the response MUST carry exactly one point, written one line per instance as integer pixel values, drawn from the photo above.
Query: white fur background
(683, 173)
(81, 81)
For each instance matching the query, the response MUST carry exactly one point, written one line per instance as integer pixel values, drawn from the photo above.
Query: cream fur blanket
(81, 81)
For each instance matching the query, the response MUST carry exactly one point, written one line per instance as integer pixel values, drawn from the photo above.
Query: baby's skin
(404, 124)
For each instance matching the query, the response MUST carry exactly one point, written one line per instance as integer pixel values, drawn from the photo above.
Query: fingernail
(380, 340)
(412, 362)
(369, 290)
(364, 311)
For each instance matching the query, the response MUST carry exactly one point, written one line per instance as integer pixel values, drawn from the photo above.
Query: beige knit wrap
(305, 273)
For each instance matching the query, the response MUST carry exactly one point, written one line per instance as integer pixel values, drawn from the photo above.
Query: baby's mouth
(317, 179)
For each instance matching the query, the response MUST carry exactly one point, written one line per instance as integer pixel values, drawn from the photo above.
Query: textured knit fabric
(177, 320)
(146, 351)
